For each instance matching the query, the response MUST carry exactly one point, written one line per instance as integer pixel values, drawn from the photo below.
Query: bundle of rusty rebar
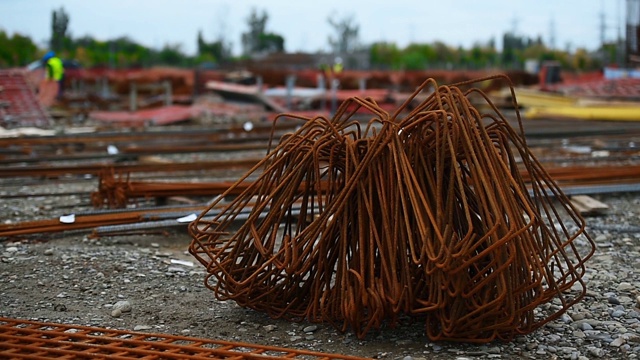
(421, 213)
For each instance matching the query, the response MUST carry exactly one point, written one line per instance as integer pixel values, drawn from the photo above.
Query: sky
(304, 24)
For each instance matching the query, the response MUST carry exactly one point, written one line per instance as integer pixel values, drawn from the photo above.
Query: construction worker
(54, 70)
(337, 66)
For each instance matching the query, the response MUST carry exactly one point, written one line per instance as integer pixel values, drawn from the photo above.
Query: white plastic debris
(112, 150)
(187, 219)
(68, 218)
(182, 262)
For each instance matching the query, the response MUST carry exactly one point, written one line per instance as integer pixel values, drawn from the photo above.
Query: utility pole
(552, 34)
(620, 57)
(603, 29)
(632, 43)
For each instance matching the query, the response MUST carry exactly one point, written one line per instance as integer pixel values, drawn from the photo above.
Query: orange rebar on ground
(425, 213)
(87, 221)
(116, 193)
(119, 192)
(22, 339)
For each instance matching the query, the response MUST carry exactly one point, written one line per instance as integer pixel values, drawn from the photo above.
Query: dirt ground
(151, 283)
(77, 280)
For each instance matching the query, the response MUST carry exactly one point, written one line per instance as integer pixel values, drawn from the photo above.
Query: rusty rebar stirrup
(422, 213)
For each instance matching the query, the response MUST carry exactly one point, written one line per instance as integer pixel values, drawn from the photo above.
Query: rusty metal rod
(111, 230)
(118, 193)
(87, 221)
(220, 132)
(97, 168)
(124, 152)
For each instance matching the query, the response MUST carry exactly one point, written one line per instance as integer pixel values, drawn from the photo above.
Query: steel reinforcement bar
(95, 169)
(22, 339)
(425, 215)
(83, 222)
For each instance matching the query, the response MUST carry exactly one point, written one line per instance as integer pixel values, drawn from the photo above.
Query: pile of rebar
(421, 213)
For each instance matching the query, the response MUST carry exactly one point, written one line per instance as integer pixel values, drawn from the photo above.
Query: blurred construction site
(121, 81)
(134, 149)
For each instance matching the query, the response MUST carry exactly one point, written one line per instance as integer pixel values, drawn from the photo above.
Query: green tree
(581, 60)
(609, 53)
(128, 53)
(257, 39)
(216, 51)
(91, 52)
(482, 55)
(270, 42)
(511, 44)
(461, 58)
(123, 52)
(17, 50)
(171, 54)
(514, 48)
(59, 27)
(445, 56)
(418, 57)
(345, 39)
(257, 24)
(385, 55)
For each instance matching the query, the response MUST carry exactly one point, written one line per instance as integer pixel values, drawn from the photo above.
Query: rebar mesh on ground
(424, 214)
(22, 339)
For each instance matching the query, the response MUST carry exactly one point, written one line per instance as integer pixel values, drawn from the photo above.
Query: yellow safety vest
(55, 70)
(337, 68)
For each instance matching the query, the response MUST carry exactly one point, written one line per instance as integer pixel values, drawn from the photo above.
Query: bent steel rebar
(25, 339)
(423, 212)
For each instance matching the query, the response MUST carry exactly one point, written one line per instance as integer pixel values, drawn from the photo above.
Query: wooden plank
(580, 208)
(587, 205)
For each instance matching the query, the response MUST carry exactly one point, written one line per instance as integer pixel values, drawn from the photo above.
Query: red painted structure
(19, 105)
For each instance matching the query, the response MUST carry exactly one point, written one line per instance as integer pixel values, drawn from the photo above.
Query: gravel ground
(150, 283)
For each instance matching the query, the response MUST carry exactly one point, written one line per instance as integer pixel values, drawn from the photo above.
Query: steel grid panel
(25, 339)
